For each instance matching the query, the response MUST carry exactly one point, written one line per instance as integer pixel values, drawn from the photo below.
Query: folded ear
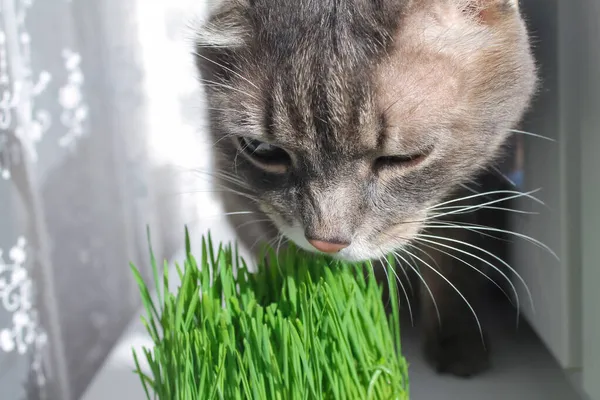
(490, 11)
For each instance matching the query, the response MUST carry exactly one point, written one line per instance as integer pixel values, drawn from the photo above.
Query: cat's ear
(490, 11)
(226, 26)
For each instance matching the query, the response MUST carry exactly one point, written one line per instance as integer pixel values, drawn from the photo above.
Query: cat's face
(349, 120)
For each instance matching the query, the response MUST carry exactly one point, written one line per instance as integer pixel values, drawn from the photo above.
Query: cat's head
(349, 120)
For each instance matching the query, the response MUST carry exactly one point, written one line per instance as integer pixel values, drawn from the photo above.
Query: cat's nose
(327, 247)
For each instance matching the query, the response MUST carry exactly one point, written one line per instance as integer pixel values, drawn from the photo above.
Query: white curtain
(101, 134)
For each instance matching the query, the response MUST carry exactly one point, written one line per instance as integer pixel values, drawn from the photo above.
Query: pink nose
(327, 247)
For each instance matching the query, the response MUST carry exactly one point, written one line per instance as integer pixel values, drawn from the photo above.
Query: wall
(568, 111)
(589, 23)
(552, 167)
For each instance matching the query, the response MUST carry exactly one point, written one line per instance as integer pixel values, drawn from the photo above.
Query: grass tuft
(307, 327)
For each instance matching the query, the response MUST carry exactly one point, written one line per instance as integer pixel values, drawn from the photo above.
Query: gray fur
(337, 84)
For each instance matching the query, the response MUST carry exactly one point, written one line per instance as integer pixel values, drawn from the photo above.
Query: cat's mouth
(359, 250)
(354, 252)
(371, 245)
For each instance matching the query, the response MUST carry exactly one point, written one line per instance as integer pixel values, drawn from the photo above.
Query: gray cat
(350, 127)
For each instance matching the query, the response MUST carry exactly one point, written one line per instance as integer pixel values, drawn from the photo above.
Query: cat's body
(348, 126)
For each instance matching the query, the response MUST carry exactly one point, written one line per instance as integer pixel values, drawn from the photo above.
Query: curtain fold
(81, 178)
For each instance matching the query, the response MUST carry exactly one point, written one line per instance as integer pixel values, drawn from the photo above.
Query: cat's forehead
(342, 76)
(327, 101)
(312, 91)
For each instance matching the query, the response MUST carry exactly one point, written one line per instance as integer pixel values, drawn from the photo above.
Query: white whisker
(532, 134)
(437, 310)
(412, 320)
(227, 177)
(514, 289)
(387, 276)
(456, 290)
(475, 228)
(229, 135)
(225, 190)
(277, 250)
(504, 176)
(410, 286)
(446, 224)
(254, 221)
(478, 206)
(422, 236)
(512, 192)
(470, 189)
(262, 236)
(239, 213)
(490, 208)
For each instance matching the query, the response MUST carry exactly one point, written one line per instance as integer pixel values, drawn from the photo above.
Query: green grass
(305, 328)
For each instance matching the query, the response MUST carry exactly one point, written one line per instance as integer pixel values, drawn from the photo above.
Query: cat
(352, 127)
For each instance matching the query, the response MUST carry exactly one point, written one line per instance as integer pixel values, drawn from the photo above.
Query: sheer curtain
(100, 127)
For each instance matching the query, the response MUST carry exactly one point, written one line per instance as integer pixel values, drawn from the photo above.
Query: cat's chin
(354, 256)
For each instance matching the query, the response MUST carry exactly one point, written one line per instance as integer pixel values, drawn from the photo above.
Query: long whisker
(235, 213)
(226, 136)
(386, 275)
(228, 176)
(234, 191)
(254, 221)
(422, 236)
(224, 190)
(482, 228)
(277, 250)
(221, 175)
(504, 176)
(399, 265)
(237, 154)
(470, 189)
(513, 210)
(433, 226)
(412, 320)
(239, 183)
(514, 289)
(456, 290)
(532, 134)
(437, 310)
(262, 236)
(475, 207)
(473, 196)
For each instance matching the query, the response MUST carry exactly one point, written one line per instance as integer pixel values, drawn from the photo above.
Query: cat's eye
(263, 152)
(405, 161)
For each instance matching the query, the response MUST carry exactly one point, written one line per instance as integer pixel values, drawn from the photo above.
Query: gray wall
(566, 36)
(589, 116)
(553, 167)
